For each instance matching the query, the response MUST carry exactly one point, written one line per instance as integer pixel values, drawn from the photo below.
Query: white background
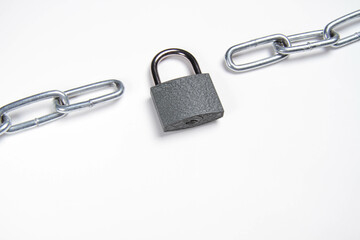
(283, 163)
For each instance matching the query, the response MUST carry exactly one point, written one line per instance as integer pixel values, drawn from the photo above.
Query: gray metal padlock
(187, 101)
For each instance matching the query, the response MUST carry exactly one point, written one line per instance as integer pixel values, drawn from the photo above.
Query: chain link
(277, 57)
(347, 40)
(91, 102)
(61, 102)
(308, 46)
(5, 123)
(283, 45)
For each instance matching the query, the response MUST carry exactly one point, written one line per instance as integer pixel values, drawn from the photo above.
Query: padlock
(186, 101)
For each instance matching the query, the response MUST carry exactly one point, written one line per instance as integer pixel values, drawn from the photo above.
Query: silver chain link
(62, 104)
(283, 45)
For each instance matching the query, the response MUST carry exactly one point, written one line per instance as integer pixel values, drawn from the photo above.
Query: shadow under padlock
(184, 102)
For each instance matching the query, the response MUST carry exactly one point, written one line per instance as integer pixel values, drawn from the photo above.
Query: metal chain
(62, 104)
(283, 45)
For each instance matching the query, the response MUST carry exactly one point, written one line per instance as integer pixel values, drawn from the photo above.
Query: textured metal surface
(186, 102)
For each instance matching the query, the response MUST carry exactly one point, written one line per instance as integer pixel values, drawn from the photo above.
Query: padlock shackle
(168, 52)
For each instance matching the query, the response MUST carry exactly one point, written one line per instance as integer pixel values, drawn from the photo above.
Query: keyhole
(191, 122)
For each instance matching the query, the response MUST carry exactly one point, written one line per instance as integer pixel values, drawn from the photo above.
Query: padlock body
(186, 102)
